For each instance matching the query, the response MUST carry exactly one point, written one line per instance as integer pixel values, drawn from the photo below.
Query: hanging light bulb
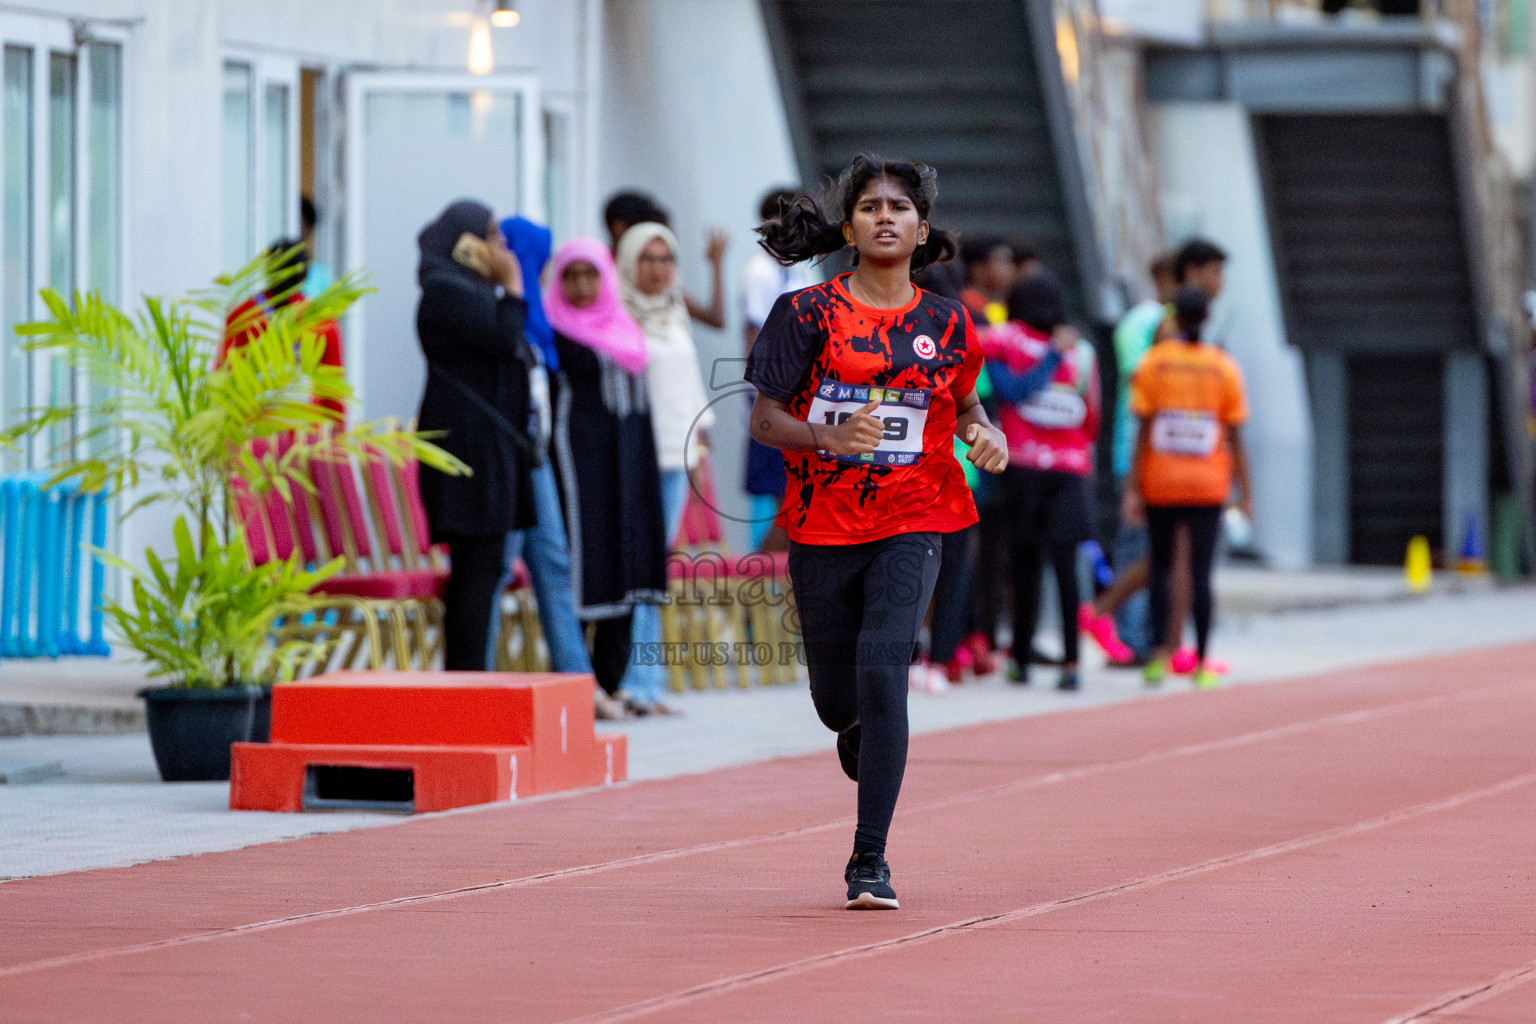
(505, 15)
(481, 60)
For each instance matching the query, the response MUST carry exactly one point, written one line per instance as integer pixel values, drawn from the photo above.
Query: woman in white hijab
(680, 414)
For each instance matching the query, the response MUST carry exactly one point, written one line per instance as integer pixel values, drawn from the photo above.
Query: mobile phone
(473, 252)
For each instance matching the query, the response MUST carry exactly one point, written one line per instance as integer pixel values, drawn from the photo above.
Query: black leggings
(471, 601)
(611, 645)
(1027, 565)
(860, 606)
(989, 585)
(951, 595)
(1204, 523)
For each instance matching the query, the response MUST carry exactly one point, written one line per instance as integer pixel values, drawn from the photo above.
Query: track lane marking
(1450, 1004)
(673, 1000)
(675, 853)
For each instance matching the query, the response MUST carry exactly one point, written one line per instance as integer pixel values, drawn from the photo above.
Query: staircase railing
(1303, 11)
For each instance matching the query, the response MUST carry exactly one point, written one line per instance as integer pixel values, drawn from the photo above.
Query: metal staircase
(971, 87)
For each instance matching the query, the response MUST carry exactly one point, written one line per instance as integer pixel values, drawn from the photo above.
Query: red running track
(1346, 848)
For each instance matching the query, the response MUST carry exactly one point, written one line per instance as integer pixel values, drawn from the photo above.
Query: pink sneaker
(982, 661)
(1102, 629)
(1185, 661)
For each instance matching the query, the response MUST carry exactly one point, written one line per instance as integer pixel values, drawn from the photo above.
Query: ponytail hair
(1190, 310)
(808, 227)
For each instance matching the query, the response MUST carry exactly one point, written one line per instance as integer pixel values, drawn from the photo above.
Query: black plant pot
(191, 730)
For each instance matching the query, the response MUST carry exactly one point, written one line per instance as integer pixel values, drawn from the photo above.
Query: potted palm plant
(171, 419)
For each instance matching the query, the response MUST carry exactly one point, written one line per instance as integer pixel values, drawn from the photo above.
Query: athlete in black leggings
(1189, 397)
(862, 383)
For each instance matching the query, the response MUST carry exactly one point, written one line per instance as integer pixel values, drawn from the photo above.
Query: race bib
(1185, 432)
(1055, 408)
(903, 412)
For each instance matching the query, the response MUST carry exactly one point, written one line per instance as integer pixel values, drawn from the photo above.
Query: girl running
(1188, 396)
(862, 382)
(1049, 380)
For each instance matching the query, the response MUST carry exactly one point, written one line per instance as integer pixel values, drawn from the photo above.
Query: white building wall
(174, 51)
(398, 34)
(1209, 176)
(1181, 21)
(691, 112)
(687, 107)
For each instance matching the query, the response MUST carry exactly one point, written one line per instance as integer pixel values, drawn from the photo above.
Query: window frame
(568, 109)
(46, 36)
(267, 69)
(356, 87)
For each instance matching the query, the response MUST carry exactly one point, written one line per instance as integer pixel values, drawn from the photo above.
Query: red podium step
(424, 741)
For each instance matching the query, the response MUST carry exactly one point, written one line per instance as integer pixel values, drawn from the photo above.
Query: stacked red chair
(409, 540)
(424, 741)
(726, 609)
(366, 509)
(279, 527)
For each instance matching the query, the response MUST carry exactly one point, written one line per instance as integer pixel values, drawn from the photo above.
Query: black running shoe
(848, 750)
(1068, 681)
(869, 883)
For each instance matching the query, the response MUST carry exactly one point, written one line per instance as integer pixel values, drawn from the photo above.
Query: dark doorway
(1396, 448)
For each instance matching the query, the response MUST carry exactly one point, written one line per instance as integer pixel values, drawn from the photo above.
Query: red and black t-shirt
(824, 354)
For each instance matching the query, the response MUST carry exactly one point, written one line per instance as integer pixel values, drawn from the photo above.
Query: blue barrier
(45, 549)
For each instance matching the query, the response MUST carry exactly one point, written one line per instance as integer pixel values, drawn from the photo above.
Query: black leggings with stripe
(860, 606)
(1204, 523)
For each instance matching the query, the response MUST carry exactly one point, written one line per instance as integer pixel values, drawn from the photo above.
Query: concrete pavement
(108, 809)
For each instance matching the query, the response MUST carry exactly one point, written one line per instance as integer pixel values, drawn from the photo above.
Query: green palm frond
(174, 420)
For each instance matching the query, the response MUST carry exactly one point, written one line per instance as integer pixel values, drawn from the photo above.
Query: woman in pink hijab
(605, 455)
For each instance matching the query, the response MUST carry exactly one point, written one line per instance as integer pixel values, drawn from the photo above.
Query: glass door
(261, 154)
(415, 143)
(61, 179)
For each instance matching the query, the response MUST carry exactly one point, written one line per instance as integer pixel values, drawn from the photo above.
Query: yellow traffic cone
(1416, 568)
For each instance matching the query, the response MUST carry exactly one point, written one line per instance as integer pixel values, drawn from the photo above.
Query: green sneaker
(1017, 673)
(1155, 672)
(1206, 678)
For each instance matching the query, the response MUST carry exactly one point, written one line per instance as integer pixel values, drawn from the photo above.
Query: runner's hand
(1064, 338)
(857, 435)
(1133, 511)
(989, 448)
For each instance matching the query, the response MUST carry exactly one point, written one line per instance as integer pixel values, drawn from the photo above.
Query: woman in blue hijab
(532, 243)
(543, 547)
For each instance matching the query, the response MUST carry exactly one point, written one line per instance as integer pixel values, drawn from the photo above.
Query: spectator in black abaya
(470, 322)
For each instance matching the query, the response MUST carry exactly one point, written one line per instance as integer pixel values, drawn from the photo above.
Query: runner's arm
(989, 448)
(1240, 469)
(1133, 510)
(775, 426)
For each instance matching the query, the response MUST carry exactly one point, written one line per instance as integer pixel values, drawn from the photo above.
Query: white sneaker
(606, 708)
(924, 678)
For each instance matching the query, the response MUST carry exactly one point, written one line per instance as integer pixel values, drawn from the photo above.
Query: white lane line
(1018, 785)
(778, 972)
(1452, 1003)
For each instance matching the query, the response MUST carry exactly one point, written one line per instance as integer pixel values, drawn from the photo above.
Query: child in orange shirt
(1189, 397)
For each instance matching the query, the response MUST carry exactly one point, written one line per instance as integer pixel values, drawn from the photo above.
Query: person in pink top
(1047, 383)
